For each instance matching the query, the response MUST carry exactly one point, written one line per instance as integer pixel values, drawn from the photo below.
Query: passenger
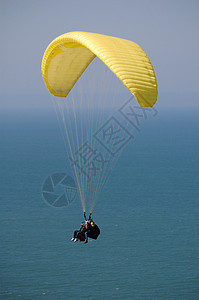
(78, 232)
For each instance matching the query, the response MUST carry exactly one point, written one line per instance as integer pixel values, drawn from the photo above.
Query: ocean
(147, 213)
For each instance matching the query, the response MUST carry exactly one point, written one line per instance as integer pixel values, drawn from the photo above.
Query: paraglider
(64, 63)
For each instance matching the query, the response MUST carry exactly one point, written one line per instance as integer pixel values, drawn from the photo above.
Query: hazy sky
(166, 30)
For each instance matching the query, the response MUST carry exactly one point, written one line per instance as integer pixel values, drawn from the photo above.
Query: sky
(166, 30)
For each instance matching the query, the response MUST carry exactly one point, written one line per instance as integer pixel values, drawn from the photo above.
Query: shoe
(75, 240)
(72, 239)
(85, 242)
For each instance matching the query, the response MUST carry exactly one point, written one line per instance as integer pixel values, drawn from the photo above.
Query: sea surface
(148, 213)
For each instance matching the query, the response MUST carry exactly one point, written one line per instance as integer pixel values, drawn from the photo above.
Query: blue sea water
(147, 213)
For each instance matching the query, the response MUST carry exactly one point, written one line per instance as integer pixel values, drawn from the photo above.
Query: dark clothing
(77, 232)
(81, 236)
(92, 231)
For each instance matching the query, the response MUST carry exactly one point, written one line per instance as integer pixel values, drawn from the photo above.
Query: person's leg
(86, 236)
(76, 233)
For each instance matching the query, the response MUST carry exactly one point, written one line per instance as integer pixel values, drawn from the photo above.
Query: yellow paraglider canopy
(69, 55)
